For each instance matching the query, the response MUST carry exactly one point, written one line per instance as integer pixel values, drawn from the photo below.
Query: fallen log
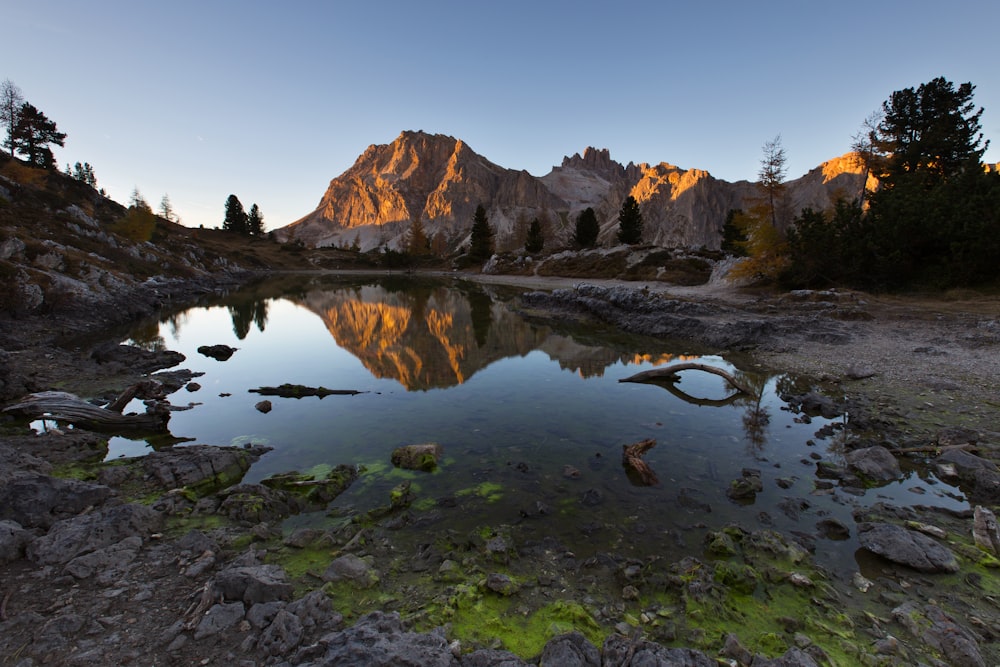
(638, 471)
(669, 374)
(61, 406)
(299, 391)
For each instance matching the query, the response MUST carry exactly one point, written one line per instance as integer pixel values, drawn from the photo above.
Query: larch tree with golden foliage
(764, 242)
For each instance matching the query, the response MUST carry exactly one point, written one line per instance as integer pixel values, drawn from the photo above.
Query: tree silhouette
(481, 243)
(587, 229)
(236, 217)
(32, 135)
(630, 222)
(534, 241)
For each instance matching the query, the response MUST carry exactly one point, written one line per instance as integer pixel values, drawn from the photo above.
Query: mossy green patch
(489, 491)
(481, 619)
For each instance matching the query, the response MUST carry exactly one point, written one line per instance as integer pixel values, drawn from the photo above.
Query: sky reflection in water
(513, 403)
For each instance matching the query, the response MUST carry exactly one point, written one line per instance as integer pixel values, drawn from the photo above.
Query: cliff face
(440, 180)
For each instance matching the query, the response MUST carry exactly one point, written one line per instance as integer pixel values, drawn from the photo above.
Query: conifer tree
(587, 229)
(417, 242)
(255, 221)
(32, 135)
(11, 100)
(630, 222)
(535, 240)
(236, 217)
(481, 242)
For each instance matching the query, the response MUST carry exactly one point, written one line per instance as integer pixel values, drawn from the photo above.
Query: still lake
(532, 418)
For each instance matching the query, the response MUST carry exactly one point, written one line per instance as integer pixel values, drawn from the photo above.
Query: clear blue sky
(269, 101)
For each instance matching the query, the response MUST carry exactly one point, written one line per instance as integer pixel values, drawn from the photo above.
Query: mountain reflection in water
(514, 404)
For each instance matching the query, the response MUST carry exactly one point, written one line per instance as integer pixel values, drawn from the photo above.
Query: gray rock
(986, 530)
(263, 406)
(79, 535)
(314, 609)
(38, 501)
(13, 540)
(256, 503)
(16, 463)
(492, 658)
(282, 636)
(874, 463)
(218, 618)
(617, 649)
(570, 650)
(260, 615)
(501, 583)
(253, 584)
(110, 562)
(379, 640)
(941, 632)
(906, 547)
(351, 568)
(793, 657)
(200, 465)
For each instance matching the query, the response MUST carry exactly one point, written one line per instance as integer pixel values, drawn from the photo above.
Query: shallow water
(530, 418)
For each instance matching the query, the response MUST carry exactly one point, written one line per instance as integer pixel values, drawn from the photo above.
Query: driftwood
(299, 391)
(65, 407)
(638, 470)
(669, 374)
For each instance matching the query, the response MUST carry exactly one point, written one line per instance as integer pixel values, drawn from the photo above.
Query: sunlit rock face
(440, 180)
(437, 338)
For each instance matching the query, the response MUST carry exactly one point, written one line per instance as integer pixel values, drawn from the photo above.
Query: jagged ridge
(440, 180)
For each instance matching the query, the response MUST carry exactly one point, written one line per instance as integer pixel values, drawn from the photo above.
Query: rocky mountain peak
(440, 180)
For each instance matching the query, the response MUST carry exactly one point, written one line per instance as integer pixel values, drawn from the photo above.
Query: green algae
(491, 492)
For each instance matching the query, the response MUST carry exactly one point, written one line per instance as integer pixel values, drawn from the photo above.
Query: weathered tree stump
(669, 374)
(638, 471)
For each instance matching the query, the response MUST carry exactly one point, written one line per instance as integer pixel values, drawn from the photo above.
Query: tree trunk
(638, 471)
(669, 374)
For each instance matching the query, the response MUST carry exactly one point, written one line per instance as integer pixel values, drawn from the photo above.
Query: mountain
(441, 180)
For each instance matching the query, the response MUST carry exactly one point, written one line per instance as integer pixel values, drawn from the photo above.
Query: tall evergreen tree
(255, 221)
(32, 135)
(481, 242)
(167, 209)
(236, 217)
(534, 242)
(587, 229)
(630, 222)
(417, 242)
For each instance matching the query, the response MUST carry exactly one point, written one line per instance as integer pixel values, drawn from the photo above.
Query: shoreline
(923, 366)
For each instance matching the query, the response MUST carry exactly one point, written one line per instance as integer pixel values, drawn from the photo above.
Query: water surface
(532, 419)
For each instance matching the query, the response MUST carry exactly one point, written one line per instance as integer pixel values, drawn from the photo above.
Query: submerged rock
(423, 457)
(907, 547)
(874, 463)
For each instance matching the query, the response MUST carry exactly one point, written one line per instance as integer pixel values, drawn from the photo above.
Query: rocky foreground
(169, 559)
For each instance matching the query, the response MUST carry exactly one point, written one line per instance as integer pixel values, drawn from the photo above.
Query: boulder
(986, 530)
(418, 457)
(13, 540)
(379, 640)
(873, 463)
(38, 501)
(352, 568)
(255, 503)
(621, 650)
(907, 547)
(218, 618)
(108, 563)
(930, 624)
(83, 534)
(136, 359)
(570, 650)
(252, 584)
(202, 468)
(282, 636)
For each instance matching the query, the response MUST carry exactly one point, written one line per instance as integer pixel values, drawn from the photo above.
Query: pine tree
(481, 242)
(236, 217)
(417, 242)
(772, 176)
(32, 135)
(255, 221)
(630, 222)
(534, 242)
(587, 229)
